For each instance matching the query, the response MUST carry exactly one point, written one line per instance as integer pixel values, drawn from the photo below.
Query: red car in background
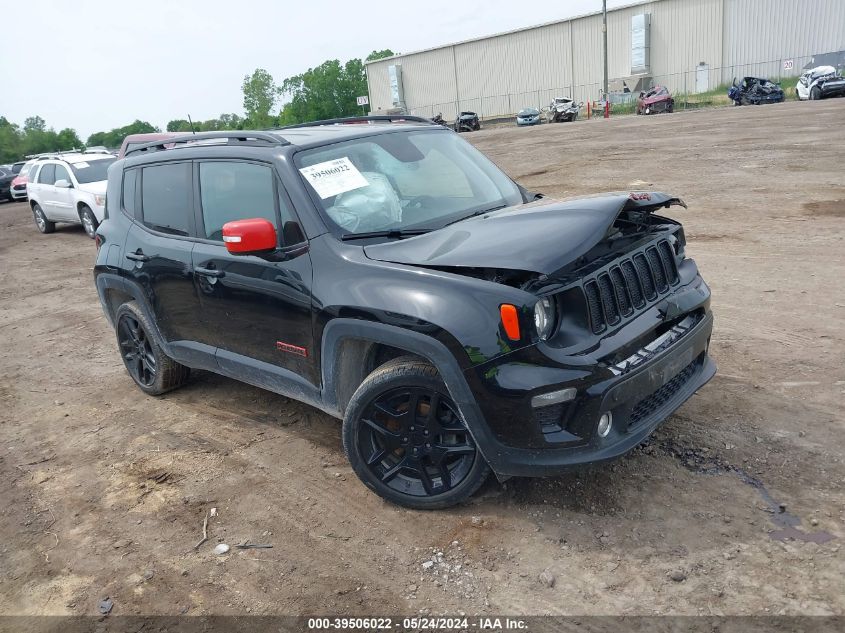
(655, 100)
(17, 190)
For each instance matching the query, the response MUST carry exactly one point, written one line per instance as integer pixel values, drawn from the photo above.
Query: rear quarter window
(130, 180)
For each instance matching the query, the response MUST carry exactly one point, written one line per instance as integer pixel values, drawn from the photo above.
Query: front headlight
(100, 199)
(544, 318)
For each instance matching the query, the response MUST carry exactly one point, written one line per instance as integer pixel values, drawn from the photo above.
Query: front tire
(41, 222)
(152, 370)
(89, 221)
(406, 440)
(815, 93)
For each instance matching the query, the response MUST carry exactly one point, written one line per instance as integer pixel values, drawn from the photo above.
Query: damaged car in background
(655, 101)
(528, 116)
(467, 122)
(822, 82)
(755, 91)
(458, 324)
(563, 109)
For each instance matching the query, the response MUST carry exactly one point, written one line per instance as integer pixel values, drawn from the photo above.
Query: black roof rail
(232, 138)
(369, 118)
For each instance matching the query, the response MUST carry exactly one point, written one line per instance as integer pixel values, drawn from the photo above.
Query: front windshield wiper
(475, 213)
(394, 233)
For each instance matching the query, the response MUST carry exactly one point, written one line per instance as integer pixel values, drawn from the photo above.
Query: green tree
(10, 141)
(380, 55)
(330, 90)
(68, 139)
(179, 125)
(260, 95)
(231, 122)
(34, 124)
(223, 122)
(114, 138)
(34, 138)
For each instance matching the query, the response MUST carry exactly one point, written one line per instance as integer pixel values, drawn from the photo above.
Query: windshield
(404, 180)
(92, 171)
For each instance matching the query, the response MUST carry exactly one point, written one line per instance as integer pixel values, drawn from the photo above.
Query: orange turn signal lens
(510, 320)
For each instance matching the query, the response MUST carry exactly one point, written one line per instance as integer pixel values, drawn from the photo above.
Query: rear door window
(166, 198)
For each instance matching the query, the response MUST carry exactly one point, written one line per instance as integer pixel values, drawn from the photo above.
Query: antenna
(193, 131)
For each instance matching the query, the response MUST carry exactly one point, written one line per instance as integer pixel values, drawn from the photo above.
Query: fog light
(605, 422)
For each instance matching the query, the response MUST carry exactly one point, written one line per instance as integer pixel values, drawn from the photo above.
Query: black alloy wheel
(152, 370)
(136, 350)
(407, 441)
(415, 442)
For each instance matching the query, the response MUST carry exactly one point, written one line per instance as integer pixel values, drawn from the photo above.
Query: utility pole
(604, 37)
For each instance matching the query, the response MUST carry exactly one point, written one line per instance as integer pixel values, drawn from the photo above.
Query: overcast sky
(95, 65)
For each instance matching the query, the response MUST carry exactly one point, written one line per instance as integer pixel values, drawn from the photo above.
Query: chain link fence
(701, 86)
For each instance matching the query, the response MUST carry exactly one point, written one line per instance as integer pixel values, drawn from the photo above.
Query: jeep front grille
(629, 284)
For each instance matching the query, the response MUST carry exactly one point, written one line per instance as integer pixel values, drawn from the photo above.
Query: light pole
(604, 37)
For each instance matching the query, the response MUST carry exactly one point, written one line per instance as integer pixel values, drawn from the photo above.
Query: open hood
(539, 237)
(656, 99)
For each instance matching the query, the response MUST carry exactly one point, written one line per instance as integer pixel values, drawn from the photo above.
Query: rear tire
(152, 370)
(89, 221)
(406, 441)
(41, 222)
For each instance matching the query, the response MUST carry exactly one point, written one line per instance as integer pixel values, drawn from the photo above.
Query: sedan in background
(528, 116)
(6, 178)
(755, 91)
(655, 101)
(18, 190)
(821, 82)
(563, 109)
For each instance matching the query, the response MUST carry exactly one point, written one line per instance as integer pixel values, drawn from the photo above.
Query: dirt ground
(734, 507)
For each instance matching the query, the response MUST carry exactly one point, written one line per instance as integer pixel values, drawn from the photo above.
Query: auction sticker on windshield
(334, 177)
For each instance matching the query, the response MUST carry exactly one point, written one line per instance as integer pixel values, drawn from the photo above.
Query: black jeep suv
(390, 275)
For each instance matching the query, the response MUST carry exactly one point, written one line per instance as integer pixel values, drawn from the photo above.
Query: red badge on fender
(292, 349)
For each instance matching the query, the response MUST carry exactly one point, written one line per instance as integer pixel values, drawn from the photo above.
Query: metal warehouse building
(687, 45)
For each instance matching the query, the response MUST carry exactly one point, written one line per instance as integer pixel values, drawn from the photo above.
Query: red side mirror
(249, 236)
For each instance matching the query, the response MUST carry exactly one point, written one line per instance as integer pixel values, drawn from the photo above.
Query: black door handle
(138, 256)
(209, 272)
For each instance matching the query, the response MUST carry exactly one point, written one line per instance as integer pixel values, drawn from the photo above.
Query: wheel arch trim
(110, 281)
(340, 329)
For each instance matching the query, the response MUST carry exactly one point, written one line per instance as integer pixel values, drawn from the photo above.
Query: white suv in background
(69, 188)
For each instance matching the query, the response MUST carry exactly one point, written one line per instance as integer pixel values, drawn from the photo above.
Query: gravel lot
(734, 507)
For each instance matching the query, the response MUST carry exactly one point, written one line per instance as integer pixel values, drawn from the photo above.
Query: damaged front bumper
(637, 393)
